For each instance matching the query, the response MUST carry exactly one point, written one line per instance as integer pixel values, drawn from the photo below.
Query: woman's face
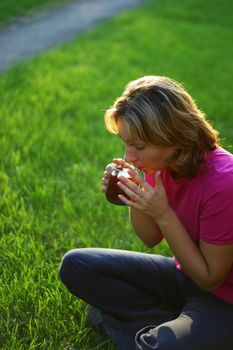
(146, 157)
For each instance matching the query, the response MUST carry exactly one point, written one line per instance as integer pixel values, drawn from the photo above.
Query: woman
(148, 301)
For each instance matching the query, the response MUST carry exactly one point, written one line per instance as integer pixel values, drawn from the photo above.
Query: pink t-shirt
(204, 205)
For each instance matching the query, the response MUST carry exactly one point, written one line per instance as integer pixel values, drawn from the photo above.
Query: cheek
(152, 157)
(154, 160)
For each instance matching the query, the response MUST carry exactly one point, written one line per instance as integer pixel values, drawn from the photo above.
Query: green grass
(53, 149)
(11, 9)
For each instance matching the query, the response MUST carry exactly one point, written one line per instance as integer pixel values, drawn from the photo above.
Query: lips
(137, 166)
(140, 167)
(145, 169)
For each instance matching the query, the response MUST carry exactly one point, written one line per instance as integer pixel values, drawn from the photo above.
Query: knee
(76, 271)
(75, 264)
(67, 267)
(64, 267)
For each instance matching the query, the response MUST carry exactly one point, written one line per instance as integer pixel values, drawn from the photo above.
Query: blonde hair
(161, 113)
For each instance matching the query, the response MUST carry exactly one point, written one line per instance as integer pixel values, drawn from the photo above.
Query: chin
(149, 171)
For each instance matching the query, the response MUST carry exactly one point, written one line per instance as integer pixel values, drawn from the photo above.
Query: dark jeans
(147, 303)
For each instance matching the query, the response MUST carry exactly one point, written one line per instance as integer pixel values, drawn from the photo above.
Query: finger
(129, 203)
(122, 162)
(118, 161)
(108, 167)
(103, 189)
(134, 195)
(130, 184)
(140, 180)
(107, 173)
(158, 179)
(104, 181)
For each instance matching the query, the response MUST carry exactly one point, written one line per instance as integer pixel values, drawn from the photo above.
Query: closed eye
(139, 148)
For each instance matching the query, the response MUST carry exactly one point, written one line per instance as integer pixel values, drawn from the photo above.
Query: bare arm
(145, 228)
(207, 264)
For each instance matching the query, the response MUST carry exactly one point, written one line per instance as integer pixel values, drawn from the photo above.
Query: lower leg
(202, 325)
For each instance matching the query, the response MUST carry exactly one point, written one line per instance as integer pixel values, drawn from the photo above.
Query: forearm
(207, 264)
(186, 251)
(145, 228)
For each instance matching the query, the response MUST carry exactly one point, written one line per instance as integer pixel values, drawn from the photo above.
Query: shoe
(94, 315)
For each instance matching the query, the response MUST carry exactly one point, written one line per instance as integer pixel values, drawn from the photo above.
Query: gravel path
(28, 36)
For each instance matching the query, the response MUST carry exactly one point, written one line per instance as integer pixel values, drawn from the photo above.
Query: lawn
(54, 148)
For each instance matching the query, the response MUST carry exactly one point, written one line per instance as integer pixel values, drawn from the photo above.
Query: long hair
(161, 113)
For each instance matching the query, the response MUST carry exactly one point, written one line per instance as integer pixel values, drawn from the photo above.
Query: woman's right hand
(105, 179)
(121, 163)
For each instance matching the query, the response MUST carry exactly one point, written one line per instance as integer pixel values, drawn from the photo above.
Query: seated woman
(149, 301)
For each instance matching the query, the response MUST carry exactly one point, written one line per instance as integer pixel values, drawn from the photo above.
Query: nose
(130, 154)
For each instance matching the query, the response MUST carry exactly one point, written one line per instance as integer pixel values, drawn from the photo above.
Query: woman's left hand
(143, 197)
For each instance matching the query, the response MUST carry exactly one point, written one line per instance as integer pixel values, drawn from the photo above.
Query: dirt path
(28, 36)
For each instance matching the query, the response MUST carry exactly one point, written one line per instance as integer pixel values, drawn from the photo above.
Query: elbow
(151, 243)
(209, 285)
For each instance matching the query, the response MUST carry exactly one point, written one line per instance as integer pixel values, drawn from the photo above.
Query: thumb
(158, 179)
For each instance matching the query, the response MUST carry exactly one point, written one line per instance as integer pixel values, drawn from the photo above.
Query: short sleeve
(216, 217)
